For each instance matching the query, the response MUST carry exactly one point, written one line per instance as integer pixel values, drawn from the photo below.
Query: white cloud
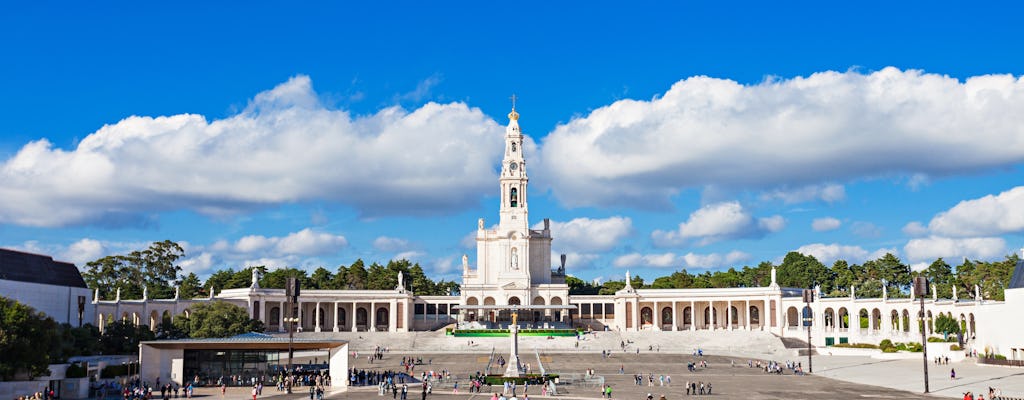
(84, 251)
(716, 222)
(932, 247)
(914, 228)
(390, 244)
(987, 216)
(412, 256)
(830, 127)
(589, 234)
(691, 260)
(286, 146)
(309, 243)
(829, 193)
(866, 229)
(829, 253)
(825, 224)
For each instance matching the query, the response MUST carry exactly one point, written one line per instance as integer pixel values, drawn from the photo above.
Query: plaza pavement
(835, 377)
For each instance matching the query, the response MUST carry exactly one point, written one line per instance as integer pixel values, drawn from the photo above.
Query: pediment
(510, 285)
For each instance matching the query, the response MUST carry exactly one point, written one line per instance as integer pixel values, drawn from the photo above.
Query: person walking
(952, 374)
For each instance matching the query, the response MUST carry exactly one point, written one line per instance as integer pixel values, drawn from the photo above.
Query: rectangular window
(431, 309)
(442, 309)
(417, 309)
(585, 309)
(609, 310)
(598, 310)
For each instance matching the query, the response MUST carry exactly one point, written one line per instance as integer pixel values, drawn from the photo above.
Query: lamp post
(292, 293)
(808, 318)
(921, 289)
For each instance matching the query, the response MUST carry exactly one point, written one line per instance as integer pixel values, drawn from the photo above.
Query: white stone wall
(58, 302)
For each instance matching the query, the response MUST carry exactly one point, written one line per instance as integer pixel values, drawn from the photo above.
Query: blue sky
(664, 136)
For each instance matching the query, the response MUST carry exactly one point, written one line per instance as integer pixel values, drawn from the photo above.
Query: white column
(693, 315)
(353, 313)
(335, 316)
(280, 317)
(746, 311)
(656, 316)
(728, 315)
(636, 314)
(393, 316)
(298, 304)
(675, 317)
(316, 318)
(373, 317)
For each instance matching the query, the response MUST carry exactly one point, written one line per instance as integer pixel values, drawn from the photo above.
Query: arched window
(514, 197)
(513, 147)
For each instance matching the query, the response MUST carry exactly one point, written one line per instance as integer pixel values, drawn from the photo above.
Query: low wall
(13, 390)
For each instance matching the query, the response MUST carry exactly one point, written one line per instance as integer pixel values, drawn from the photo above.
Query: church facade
(513, 273)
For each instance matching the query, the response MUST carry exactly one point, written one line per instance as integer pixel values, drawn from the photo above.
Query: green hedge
(856, 345)
(505, 332)
(113, 371)
(531, 378)
(76, 370)
(934, 339)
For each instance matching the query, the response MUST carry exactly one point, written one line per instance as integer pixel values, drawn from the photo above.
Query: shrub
(856, 345)
(935, 339)
(901, 346)
(112, 371)
(885, 344)
(914, 347)
(889, 350)
(999, 357)
(954, 347)
(76, 370)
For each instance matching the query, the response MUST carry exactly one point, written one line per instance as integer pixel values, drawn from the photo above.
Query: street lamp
(291, 291)
(808, 318)
(921, 289)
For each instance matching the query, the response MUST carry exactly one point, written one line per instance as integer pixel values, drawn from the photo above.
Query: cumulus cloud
(825, 224)
(829, 193)
(986, 216)
(286, 146)
(688, 260)
(85, 250)
(866, 229)
(390, 244)
(826, 127)
(932, 247)
(589, 234)
(914, 228)
(829, 253)
(715, 222)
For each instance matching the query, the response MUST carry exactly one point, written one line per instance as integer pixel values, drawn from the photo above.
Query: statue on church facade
(255, 278)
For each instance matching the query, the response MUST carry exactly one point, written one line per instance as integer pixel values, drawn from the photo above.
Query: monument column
(316, 317)
(728, 315)
(693, 315)
(280, 317)
(675, 317)
(393, 316)
(335, 316)
(299, 305)
(354, 309)
(746, 311)
(373, 316)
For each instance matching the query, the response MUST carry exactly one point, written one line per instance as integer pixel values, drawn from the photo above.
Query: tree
(277, 278)
(801, 271)
(940, 274)
(153, 269)
(218, 281)
(611, 287)
(321, 279)
(946, 325)
(123, 337)
(190, 286)
(578, 286)
(26, 336)
(217, 319)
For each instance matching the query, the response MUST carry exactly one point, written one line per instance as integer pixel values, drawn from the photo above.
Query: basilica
(513, 273)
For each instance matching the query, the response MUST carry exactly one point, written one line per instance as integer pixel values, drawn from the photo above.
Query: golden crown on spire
(514, 116)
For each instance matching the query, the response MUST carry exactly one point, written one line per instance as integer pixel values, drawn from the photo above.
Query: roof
(1017, 281)
(246, 341)
(35, 268)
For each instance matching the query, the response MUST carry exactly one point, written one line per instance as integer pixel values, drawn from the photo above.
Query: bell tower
(513, 210)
